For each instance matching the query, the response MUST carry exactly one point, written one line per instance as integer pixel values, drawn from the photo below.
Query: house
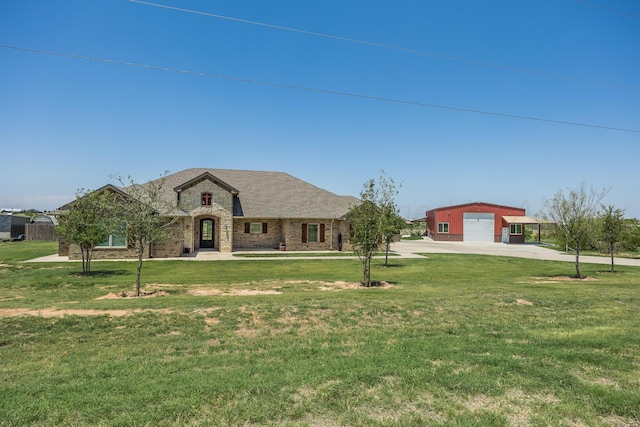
(231, 210)
(478, 222)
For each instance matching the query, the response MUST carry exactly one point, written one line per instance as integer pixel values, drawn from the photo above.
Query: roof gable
(202, 177)
(109, 187)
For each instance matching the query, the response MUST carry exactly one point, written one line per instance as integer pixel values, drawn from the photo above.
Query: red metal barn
(477, 222)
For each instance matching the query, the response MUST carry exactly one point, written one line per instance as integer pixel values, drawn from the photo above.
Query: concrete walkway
(403, 249)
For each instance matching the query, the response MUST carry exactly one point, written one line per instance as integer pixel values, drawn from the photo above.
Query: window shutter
(322, 226)
(247, 227)
(264, 227)
(304, 233)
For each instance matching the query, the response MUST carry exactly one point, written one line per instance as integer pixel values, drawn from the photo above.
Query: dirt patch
(266, 287)
(143, 294)
(54, 312)
(12, 298)
(341, 286)
(515, 405)
(520, 301)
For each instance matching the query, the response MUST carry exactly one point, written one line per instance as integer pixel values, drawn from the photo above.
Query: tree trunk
(365, 272)
(89, 256)
(366, 268)
(140, 252)
(386, 254)
(611, 247)
(85, 266)
(578, 276)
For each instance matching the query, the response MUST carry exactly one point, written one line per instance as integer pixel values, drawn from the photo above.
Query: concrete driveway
(532, 251)
(406, 249)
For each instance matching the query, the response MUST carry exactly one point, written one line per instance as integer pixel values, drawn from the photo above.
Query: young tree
(145, 213)
(390, 220)
(374, 222)
(573, 217)
(611, 229)
(88, 222)
(365, 225)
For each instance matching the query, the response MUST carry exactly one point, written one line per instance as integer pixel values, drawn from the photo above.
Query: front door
(505, 234)
(206, 233)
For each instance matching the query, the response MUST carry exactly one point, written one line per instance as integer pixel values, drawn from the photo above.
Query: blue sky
(69, 123)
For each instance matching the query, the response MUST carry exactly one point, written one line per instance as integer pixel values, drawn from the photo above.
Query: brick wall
(292, 231)
(269, 240)
(169, 248)
(105, 253)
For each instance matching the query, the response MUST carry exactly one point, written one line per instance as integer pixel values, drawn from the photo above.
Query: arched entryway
(207, 233)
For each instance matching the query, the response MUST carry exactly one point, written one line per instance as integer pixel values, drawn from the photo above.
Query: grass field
(452, 340)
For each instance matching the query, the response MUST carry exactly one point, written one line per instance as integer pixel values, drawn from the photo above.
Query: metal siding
(454, 215)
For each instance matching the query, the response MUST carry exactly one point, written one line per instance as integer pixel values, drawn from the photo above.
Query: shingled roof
(263, 194)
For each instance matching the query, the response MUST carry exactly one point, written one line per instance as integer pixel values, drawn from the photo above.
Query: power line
(310, 89)
(609, 9)
(391, 47)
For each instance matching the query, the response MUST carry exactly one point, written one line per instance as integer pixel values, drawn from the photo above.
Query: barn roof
(475, 204)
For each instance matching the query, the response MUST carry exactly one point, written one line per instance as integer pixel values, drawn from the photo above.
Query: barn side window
(516, 228)
(443, 227)
(206, 199)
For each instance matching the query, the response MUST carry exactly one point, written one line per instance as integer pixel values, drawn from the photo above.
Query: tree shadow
(379, 284)
(390, 265)
(100, 273)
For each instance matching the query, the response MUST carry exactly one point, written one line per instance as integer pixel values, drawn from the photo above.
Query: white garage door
(477, 227)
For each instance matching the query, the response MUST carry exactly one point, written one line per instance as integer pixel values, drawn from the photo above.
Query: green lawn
(453, 340)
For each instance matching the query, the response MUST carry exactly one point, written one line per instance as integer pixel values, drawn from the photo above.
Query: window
(258, 227)
(113, 241)
(516, 228)
(313, 233)
(443, 227)
(255, 227)
(206, 199)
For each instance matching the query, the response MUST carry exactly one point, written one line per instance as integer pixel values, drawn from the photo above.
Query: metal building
(478, 222)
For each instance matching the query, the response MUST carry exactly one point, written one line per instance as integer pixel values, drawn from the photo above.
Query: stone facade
(205, 199)
(220, 210)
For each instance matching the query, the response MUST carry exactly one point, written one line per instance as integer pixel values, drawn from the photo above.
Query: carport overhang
(508, 220)
(524, 220)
